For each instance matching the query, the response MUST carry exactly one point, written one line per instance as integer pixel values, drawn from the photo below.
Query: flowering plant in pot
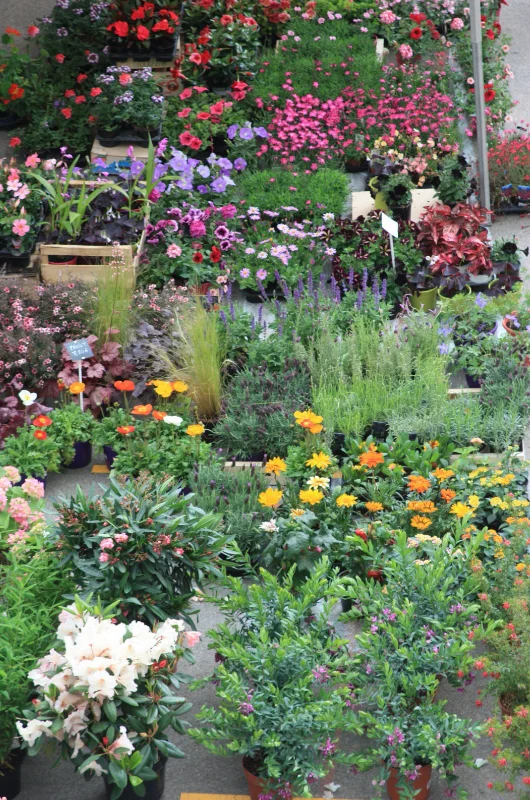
(166, 550)
(457, 236)
(506, 250)
(32, 450)
(507, 657)
(13, 80)
(127, 106)
(508, 161)
(99, 372)
(21, 212)
(21, 504)
(264, 676)
(397, 194)
(113, 712)
(411, 743)
(143, 30)
(509, 736)
(72, 432)
(454, 185)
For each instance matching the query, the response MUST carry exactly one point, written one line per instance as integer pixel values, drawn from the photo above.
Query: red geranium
(490, 34)
(59, 58)
(203, 115)
(120, 28)
(69, 93)
(66, 112)
(95, 91)
(15, 91)
(226, 19)
(417, 18)
(142, 33)
(416, 33)
(14, 141)
(489, 95)
(162, 25)
(138, 13)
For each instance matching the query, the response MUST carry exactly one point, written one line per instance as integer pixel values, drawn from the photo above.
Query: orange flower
(159, 415)
(443, 474)
(419, 484)
(447, 495)
(420, 522)
(308, 420)
(371, 459)
(61, 385)
(142, 411)
(76, 387)
(124, 386)
(40, 435)
(12, 31)
(423, 506)
(42, 421)
(195, 430)
(372, 506)
(125, 429)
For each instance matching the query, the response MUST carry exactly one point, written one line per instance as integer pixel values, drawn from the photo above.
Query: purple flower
(261, 274)
(327, 748)
(225, 163)
(221, 232)
(261, 132)
(232, 130)
(246, 134)
(202, 188)
(157, 98)
(203, 171)
(62, 32)
(481, 301)
(320, 674)
(443, 348)
(219, 185)
(240, 164)
(92, 58)
(246, 709)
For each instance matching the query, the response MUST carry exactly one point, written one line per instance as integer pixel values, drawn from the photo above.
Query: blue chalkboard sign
(78, 349)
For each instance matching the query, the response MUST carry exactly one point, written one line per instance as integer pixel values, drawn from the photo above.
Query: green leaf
(109, 708)
(118, 774)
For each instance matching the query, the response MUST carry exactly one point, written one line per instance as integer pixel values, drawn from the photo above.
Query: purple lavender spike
(285, 289)
(232, 312)
(365, 280)
(261, 290)
(229, 291)
(359, 301)
(383, 289)
(322, 281)
(279, 329)
(277, 276)
(296, 296)
(252, 324)
(260, 315)
(222, 317)
(310, 282)
(277, 306)
(301, 287)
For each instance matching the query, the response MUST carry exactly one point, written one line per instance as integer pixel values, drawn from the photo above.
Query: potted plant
(128, 107)
(72, 432)
(19, 519)
(13, 81)
(508, 658)
(517, 322)
(454, 182)
(33, 587)
(32, 450)
(411, 743)
(123, 709)
(171, 546)
(506, 251)
(424, 289)
(265, 674)
(143, 30)
(397, 194)
(21, 213)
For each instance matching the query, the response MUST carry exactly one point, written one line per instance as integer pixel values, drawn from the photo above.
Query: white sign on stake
(391, 227)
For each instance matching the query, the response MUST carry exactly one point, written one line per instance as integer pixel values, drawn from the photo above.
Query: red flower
(92, 119)
(490, 34)
(195, 58)
(66, 112)
(226, 19)
(186, 138)
(69, 93)
(215, 254)
(95, 91)
(205, 57)
(162, 25)
(416, 33)
(42, 421)
(417, 18)
(359, 532)
(15, 91)
(217, 108)
(489, 95)
(203, 115)
(138, 13)
(32, 31)
(142, 33)
(197, 258)
(185, 93)
(59, 58)
(80, 99)
(14, 141)
(195, 143)
(12, 31)
(81, 77)
(41, 435)
(120, 28)
(125, 429)
(184, 112)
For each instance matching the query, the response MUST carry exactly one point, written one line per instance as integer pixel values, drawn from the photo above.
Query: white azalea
(34, 730)
(76, 722)
(96, 768)
(101, 685)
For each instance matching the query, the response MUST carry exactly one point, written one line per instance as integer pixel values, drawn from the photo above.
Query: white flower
(269, 526)
(27, 397)
(76, 722)
(173, 421)
(328, 217)
(66, 700)
(101, 684)
(34, 730)
(122, 742)
(96, 767)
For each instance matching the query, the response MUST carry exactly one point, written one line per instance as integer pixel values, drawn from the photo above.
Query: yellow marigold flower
(419, 484)
(319, 461)
(275, 466)
(311, 496)
(443, 474)
(460, 510)
(297, 512)
(520, 567)
(373, 507)
(162, 388)
(473, 500)
(318, 482)
(371, 459)
(346, 500)
(309, 420)
(420, 522)
(270, 497)
(76, 387)
(195, 430)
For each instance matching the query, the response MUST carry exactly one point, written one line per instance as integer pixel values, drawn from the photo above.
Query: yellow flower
(179, 386)
(76, 387)
(496, 502)
(297, 512)
(499, 554)
(520, 567)
(420, 522)
(497, 538)
(478, 471)
(372, 506)
(162, 388)
(195, 430)
(311, 496)
(424, 506)
(346, 500)
(460, 510)
(421, 562)
(319, 461)
(318, 482)
(270, 497)
(504, 480)
(443, 474)
(275, 465)
(473, 500)
(308, 420)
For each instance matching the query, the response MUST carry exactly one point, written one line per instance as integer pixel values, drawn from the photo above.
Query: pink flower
(406, 51)
(387, 17)
(33, 488)
(457, 24)
(20, 227)
(32, 161)
(261, 274)
(19, 509)
(12, 473)
(3, 500)
(191, 638)
(22, 192)
(106, 544)
(104, 557)
(121, 538)
(178, 551)
(125, 78)
(173, 251)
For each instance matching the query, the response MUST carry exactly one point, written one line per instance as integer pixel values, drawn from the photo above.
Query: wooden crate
(116, 158)
(101, 255)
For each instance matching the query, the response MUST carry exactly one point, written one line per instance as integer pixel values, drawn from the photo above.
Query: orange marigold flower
(419, 484)
(421, 523)
(142, 411)
(424, 506)
(447, 495)
(309, 420)
(372, 506)
(443, 474)
(371, 459)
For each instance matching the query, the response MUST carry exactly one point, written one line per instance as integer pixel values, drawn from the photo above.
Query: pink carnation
(406, 51)
(121, 537)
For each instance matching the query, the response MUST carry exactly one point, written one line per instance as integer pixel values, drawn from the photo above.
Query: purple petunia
(246, 134)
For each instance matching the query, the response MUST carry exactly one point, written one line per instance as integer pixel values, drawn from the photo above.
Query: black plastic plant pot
(82, 455)
(9, 121)
(346, 603)
(110, 454)
(354, 165)
(380, 430)
(337, 445)
(401, 213)
(126, 134)
(472, 382)
(11, 773)
(161, 50)
(154, 789)
(13, 263)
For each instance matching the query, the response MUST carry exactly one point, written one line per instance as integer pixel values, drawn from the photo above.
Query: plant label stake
(391, 227)
(78, 349)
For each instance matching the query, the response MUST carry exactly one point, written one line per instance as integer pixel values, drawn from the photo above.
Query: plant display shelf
(161, 71)
(117, 158)
(363, 202)
(31, 272)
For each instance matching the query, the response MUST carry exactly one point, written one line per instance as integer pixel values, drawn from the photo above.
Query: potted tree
(123, 708)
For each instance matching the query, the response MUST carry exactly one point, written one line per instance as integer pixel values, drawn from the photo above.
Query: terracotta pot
(422, 784)
(256, 786)
(67, 260)
(510, 331)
